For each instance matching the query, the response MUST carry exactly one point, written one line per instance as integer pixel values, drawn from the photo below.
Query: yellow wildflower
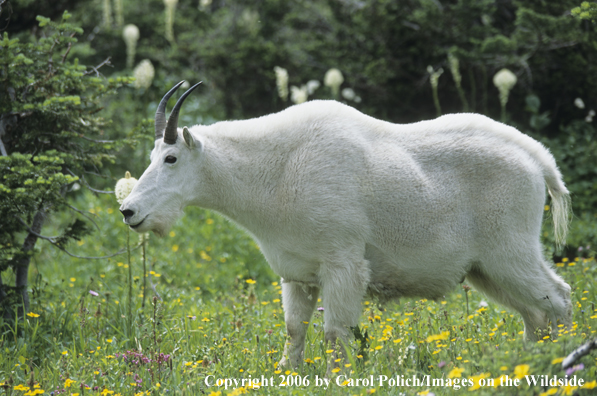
(455, 373)
(443, 336)
(521, 370)
(590, 385)
(476, 379)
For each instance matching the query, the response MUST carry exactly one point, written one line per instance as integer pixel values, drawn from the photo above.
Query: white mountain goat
(346, 205)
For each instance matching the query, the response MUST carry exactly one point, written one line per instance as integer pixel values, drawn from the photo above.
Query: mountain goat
(346, 205)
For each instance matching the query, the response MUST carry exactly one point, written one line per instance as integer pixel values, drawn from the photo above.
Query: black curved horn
(160, 113)
(171, 127)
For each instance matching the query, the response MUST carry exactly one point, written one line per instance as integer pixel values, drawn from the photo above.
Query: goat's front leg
(299, 302)
(344, 286)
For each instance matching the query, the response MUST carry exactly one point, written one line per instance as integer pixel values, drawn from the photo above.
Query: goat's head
(167, 185)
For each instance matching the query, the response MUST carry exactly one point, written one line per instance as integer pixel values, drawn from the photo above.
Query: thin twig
(47, 238)
(95, 69)
(82, 178)
(84, 214)
(121, 251)
(53, 242)
(96, 141)
(68, 48)
(95, 174)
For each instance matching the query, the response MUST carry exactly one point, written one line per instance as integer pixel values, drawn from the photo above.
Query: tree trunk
(3, 295)
(22, 268)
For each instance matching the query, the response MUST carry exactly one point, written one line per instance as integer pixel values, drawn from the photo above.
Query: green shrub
(52, 138)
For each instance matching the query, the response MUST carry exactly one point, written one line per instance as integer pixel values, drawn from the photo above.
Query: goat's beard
(159, 223)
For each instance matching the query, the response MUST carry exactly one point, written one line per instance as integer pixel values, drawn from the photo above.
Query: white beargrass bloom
(333, 79)
(144, 73)
(119, 13)
(578, 102)
(282, 82)
(143, 237)
(130, 34)
(107, 8)
(298, 95)
(124, 187)
(455, 68)
(312, 86)
(170, 8)
(589, 117)
(348, 94)
(204, 4)
(434, 75)
(504, 80)
(250, 20)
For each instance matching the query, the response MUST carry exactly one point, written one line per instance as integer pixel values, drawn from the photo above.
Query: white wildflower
(504, 80)
(170, 8)
(434, 76)
(282, 82)
(312, 86)
(119, 13)
(204, 5)
(333, 79)
(250, 20)
(144, 73)
(589, 117)
(348, 94)
(455, 68)
(124, 187)
(298, 95)
(130, 34)
(107, 8)
(578, 102)
(144, 236)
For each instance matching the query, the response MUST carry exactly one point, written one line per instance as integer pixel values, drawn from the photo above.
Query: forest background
(79, 91)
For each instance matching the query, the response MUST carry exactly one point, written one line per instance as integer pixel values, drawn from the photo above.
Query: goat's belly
(413, 275)
(292, 267)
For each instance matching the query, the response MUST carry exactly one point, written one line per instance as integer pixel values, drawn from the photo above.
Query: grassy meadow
(201, 308)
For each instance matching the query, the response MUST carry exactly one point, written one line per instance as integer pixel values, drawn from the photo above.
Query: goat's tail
(560, 204)
(560, 197)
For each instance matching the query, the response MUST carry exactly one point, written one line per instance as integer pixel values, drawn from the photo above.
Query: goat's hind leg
(526, 283)
(299, 302)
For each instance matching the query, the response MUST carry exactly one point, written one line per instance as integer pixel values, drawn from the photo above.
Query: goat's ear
(189, 139)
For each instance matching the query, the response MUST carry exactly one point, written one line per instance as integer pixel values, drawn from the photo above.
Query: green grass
(213, 311)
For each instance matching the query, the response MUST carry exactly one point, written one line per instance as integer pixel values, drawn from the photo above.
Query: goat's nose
(127, 213)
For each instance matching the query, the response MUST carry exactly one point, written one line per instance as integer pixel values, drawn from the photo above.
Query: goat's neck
(241, 182)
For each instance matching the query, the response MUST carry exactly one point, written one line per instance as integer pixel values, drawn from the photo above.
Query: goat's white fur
(343, 204)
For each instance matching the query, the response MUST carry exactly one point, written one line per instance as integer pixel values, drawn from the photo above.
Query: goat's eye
(170, 159)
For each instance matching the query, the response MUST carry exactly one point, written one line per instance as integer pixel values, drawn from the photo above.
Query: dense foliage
(51, 136)
(383, 49)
